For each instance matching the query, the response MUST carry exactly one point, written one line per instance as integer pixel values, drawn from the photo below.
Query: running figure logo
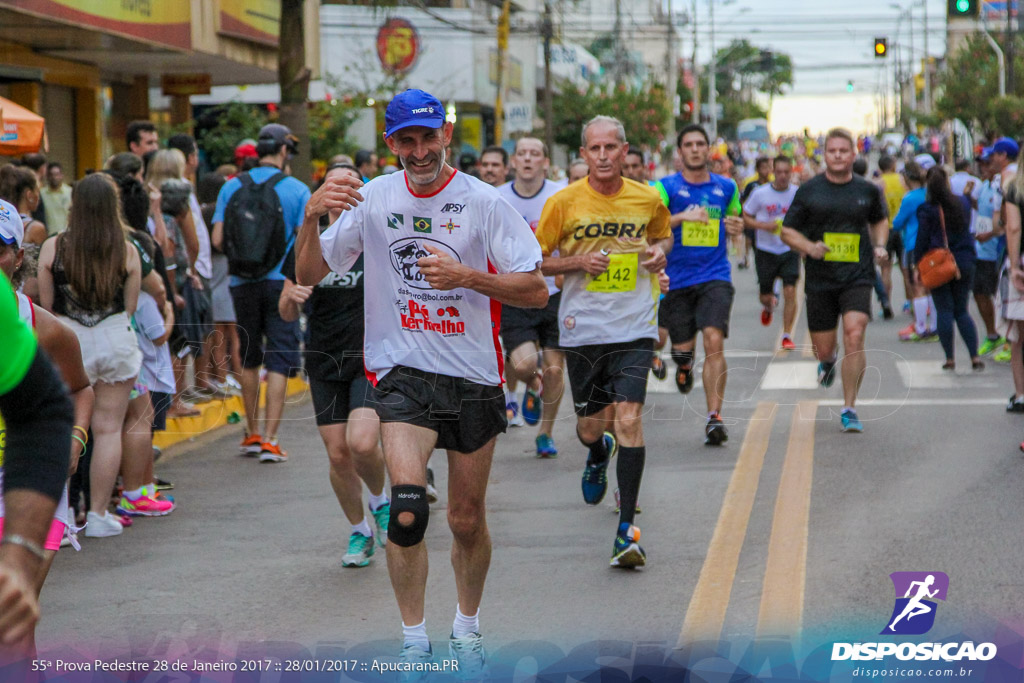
(914, 612)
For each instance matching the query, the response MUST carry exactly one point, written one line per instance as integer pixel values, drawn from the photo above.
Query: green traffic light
(963, 5)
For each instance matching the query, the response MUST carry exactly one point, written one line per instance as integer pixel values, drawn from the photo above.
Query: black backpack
(254, 229)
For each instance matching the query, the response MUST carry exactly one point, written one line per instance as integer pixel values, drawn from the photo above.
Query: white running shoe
(469, 652)
(102, 526)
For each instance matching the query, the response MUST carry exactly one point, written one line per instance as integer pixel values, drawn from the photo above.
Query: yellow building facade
(87, 66)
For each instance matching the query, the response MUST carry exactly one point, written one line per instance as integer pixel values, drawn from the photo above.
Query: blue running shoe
(595, 476)
(826, 373)
(531, 406)
(851, 423)
(627, 553)
(546, 447)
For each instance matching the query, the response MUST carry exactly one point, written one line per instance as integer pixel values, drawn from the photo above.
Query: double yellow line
(782, 595)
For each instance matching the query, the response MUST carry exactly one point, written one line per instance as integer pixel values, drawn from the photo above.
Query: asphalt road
(791, 525)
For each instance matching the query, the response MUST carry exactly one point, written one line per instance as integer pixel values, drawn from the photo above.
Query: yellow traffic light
(881, 47)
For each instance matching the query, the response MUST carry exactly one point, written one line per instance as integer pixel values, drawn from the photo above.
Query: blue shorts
(258, 320)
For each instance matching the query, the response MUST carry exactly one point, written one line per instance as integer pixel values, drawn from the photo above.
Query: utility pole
(672, 59)
(549, 110)
(695, 114)
(619, 47)
(927, 64)
(499, 109)
(712, 85)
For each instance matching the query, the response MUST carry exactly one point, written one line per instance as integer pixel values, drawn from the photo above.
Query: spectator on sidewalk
(20, 187)
(226, 360)
(56, 197)
(256, 297)
(37, 164)
(141, 137)
(90, 277)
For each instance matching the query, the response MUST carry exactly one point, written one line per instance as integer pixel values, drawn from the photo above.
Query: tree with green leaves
(643, 112)
(970, 87)
(746, 75)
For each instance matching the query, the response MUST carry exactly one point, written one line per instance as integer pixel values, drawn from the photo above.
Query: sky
(830, 43)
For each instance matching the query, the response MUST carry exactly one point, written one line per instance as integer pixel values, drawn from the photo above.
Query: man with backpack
(255, 222)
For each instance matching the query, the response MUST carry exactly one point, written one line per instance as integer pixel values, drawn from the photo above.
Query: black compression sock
(629, 471)
(598, 451)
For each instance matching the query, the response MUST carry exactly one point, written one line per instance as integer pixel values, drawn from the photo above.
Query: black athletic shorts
(684, 312)
(465, 415)
(986, 278)
(333, 400)
(895, 246)
(603, 374)
(750, 234)
(771, 266)
(537, 325)
(824, 308)
(257, 317)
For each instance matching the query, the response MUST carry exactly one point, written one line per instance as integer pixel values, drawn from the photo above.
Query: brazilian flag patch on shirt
(420, 224)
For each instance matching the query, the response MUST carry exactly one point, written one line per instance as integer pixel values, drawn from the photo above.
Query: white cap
(12, 230)
(925, 161)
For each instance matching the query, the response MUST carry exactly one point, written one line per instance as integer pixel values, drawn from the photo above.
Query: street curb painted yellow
(214, 415)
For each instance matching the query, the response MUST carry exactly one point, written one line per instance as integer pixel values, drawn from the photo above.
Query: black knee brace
(412, 499)
(683, 358)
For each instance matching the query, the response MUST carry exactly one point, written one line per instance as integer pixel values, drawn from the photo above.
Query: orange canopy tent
(21, 131)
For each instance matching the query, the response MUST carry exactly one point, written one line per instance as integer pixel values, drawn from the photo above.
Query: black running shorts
(537, 325)
(684, 312)
(986, 278)
(603, 374)
(333, 401)
(771, 266)
(824, 308)
(465, 415)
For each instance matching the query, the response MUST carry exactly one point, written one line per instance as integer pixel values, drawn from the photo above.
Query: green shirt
(19, 341)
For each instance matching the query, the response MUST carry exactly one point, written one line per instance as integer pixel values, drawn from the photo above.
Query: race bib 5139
(843, 247)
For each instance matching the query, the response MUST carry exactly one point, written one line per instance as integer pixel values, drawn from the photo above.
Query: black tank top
(65, 302)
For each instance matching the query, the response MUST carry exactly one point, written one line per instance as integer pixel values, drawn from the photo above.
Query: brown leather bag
(938, 267)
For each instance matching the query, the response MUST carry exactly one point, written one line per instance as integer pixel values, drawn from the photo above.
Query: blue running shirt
(700, 254)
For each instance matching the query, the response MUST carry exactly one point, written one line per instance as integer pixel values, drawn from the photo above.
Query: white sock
(846, 409)
(921, 314)
(463, 625)
(416, 635)
(785, 335)
(933, 316)
(377, 501)
(136, 494)
(362, 528)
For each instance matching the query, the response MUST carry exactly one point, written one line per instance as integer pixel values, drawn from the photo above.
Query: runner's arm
(336, 193)
(751, 223)
(289, 305)
(1013, 242)
(523, 290)
(38, 434)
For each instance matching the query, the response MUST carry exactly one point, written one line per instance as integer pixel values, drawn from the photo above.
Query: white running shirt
(408, 322)
(530, 208)
(766, 204)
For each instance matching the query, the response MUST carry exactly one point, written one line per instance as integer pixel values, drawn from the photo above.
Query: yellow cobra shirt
(621, 304)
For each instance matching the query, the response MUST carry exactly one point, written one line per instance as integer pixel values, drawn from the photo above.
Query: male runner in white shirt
(442, 251)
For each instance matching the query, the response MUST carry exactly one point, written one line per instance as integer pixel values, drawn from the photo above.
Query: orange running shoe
(272, 452)
(251, 444)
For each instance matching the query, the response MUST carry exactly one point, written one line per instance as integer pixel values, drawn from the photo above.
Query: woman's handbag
(938, 267)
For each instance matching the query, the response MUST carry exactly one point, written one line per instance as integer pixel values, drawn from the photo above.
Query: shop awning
(21, 131)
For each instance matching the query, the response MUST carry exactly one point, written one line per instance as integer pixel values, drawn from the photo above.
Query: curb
(214, 416)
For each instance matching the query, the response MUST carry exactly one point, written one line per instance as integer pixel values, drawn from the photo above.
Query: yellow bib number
(619, 277)
(701, 234)
(843, 247)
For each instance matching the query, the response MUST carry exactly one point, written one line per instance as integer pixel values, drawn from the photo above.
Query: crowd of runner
(430, 294)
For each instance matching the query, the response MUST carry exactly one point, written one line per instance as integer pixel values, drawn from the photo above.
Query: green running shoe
(990, 345)
(360, 550)
(380, 520)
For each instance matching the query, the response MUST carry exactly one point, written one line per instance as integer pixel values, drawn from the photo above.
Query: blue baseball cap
(413, 108)
(1007, 146)
(986, 154)
(12, 231)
